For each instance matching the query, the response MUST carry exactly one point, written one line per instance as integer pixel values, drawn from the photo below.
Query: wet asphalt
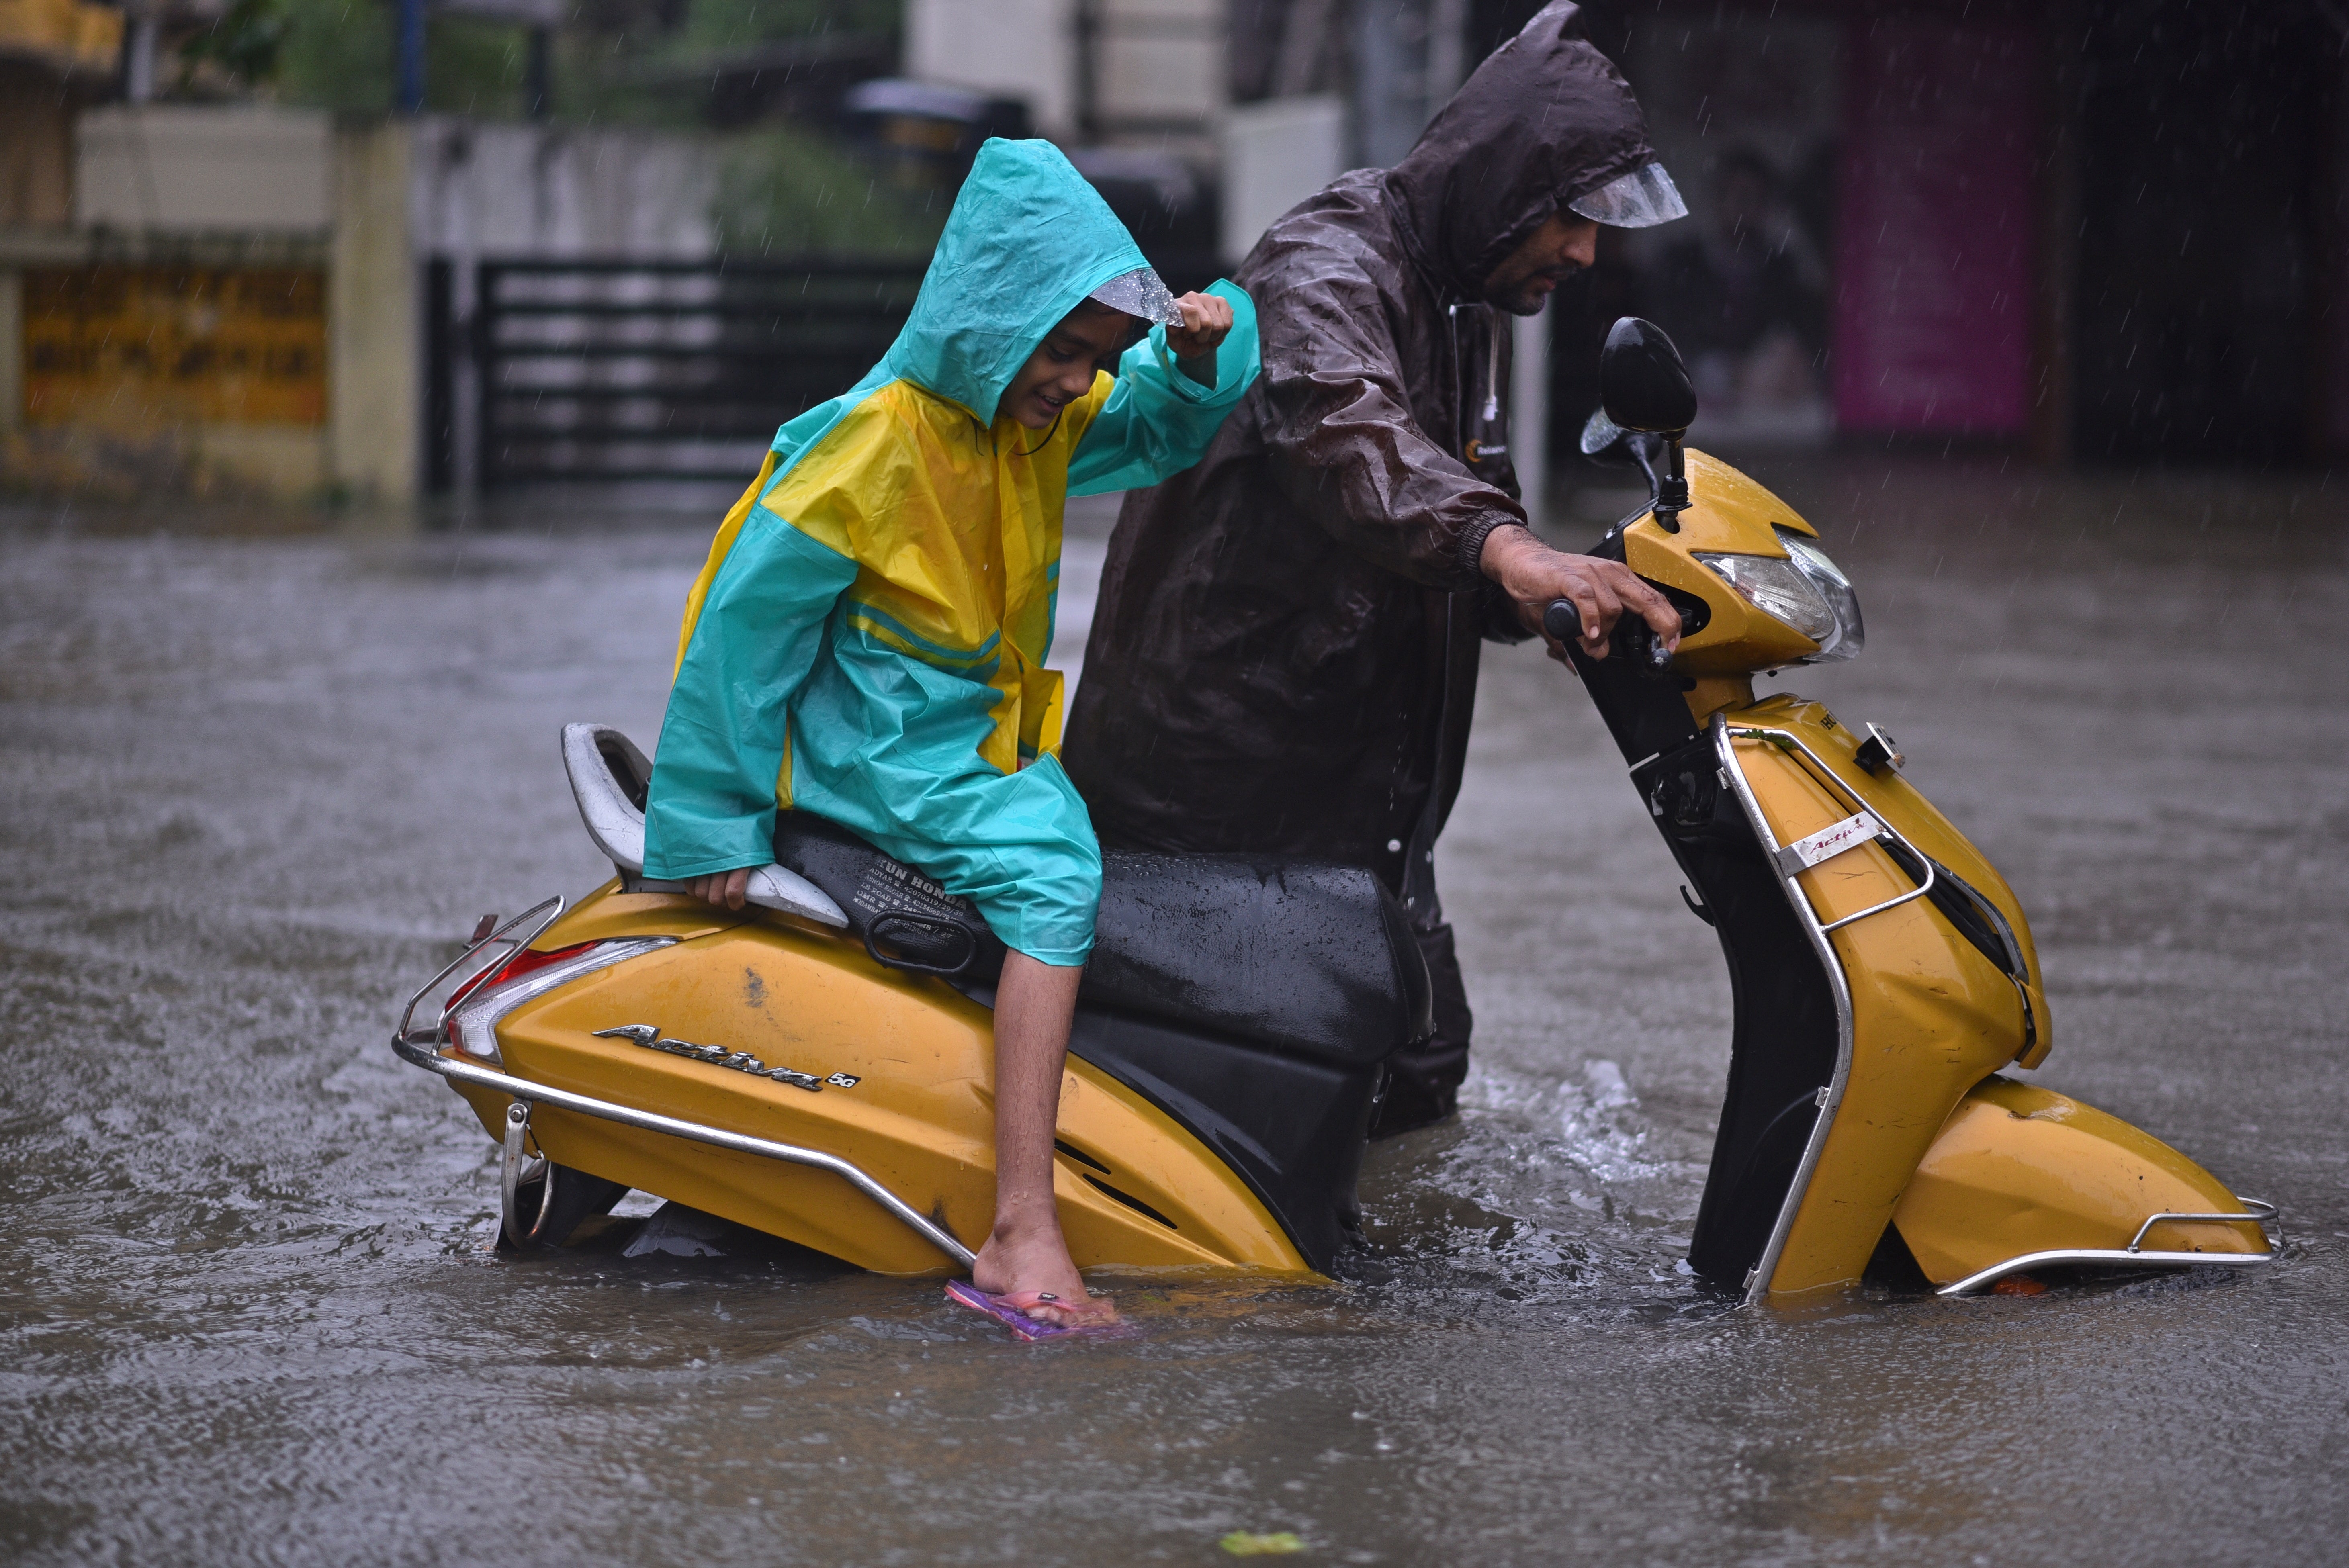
(259, 772)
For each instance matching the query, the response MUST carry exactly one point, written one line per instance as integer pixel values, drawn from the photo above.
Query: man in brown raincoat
(1283, 657)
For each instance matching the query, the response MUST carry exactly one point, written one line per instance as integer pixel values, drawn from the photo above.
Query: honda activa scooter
(818, 1066)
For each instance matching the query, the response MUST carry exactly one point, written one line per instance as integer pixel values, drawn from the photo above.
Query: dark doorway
(2202, 159)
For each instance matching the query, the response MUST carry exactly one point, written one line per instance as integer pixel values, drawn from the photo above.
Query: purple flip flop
(962, 1292)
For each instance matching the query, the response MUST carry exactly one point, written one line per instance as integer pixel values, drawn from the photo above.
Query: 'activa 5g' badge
(652, 1039)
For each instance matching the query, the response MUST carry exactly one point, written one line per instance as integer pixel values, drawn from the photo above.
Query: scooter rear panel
(917, 1112)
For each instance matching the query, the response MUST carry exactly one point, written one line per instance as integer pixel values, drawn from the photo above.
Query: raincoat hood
(1546, 120)
(1027, 240)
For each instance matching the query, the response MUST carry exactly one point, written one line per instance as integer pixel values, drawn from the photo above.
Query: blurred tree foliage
(710, 25)
(787, 187)
(337, 55)
(239, 50)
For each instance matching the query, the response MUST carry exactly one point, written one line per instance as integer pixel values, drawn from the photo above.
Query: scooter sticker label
(652, 1039)
(889, 888)
(1830, 842)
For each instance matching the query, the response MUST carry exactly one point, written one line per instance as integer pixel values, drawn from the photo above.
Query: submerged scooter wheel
(547, 1218)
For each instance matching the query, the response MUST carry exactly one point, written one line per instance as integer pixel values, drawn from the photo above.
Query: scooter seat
(1302, 956)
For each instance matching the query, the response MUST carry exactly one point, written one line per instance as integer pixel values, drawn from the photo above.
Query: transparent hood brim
(1142, 292)
(1639, 199)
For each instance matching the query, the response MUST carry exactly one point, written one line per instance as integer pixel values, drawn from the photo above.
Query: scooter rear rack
(429, 1049)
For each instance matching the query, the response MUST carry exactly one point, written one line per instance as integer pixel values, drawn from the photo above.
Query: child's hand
(724, 889)
(1206, 322)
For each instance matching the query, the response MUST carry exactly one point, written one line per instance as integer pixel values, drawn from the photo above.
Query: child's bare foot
(1028, 1265)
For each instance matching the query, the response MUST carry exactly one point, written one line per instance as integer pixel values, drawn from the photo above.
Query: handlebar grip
(1632, 636)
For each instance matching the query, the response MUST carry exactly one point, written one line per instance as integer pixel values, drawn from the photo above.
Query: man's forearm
(1479, 535)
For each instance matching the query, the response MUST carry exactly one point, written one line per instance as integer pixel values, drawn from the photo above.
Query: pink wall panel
(1934, 248)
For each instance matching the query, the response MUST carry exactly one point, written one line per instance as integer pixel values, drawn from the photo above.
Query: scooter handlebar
(1634, 638)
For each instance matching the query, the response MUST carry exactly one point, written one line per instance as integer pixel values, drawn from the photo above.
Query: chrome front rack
(1830, 1094)
(1789, 861)
(2258, 1213)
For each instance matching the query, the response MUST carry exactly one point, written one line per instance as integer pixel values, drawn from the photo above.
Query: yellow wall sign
(63, 32)
(144, 345)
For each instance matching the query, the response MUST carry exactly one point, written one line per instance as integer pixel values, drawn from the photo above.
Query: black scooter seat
(1304, 957)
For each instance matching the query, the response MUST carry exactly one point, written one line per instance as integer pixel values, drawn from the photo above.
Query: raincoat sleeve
(1354, 459)
(1157, 421)
(756, 628)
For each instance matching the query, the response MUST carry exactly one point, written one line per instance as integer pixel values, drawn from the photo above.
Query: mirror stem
(1672, 491)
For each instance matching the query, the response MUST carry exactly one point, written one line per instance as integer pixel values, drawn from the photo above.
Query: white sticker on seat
(1831, 841)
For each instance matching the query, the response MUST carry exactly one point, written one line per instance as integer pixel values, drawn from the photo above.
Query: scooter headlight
(1806, 590)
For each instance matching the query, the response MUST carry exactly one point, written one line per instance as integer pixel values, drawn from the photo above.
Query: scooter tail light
(526, 962)
(523, 961)
(470, 1019)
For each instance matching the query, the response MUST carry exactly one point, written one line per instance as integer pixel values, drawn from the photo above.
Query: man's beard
(1521, 299)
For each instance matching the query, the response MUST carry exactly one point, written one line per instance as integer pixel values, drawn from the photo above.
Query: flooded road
(254, 787)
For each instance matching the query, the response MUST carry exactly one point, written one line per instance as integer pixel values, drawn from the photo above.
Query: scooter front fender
(2021, 1176)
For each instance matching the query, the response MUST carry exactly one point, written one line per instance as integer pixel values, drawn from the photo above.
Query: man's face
(1061, 368)
(1562, 246)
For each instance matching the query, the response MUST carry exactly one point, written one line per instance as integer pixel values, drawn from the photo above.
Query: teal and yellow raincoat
(867, 639)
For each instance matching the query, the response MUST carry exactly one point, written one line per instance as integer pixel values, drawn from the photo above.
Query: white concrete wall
(1024, 48)
(203, 168)
(1159, 65)
(369, 202)
(1161, 62)
(1276, 154)
(374, 334)
(543, 190)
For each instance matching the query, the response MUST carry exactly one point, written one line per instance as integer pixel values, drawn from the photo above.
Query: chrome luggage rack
(427, 1049)
(2258, 1213)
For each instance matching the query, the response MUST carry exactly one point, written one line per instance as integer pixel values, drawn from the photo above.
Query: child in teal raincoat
(867, 639)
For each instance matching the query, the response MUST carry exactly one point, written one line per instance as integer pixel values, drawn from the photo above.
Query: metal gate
(621, 370)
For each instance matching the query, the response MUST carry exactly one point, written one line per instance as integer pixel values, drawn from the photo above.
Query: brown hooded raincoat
(1283, 657)
(1277, 625)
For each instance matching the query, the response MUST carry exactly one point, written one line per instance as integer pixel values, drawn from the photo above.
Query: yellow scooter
(819, 1066)
(1882, 971)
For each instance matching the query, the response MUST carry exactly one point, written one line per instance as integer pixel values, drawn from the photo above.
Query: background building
(2106, 231)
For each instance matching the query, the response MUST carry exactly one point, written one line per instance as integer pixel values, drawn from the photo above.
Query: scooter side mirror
(1644, 390)
(1604, 441)
(1642, 384)
(1610, 446)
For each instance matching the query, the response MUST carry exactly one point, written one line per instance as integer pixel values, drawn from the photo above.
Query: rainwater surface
(257, 782)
